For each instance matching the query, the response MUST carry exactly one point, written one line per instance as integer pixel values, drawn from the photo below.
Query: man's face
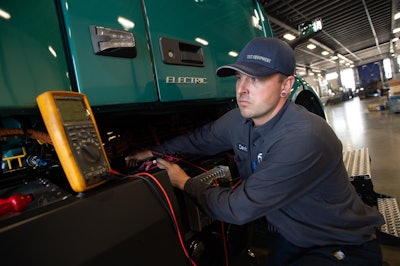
(259, 98)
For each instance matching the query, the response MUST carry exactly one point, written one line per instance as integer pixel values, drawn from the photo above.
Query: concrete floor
(379, 131)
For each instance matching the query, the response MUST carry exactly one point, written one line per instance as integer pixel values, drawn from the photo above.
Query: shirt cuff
(195, 188)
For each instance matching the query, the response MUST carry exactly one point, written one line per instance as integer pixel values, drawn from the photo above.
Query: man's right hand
(177, 175)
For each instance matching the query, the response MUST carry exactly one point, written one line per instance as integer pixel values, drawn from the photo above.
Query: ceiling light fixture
(289, 36)
(301, 73)
(311, 46)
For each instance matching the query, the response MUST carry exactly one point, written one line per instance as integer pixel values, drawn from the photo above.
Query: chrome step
(357, 163)
(389, 208)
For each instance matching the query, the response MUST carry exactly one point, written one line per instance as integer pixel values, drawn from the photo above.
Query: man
(291, 164)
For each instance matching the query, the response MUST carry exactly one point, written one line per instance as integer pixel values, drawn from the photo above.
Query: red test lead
(16, 202)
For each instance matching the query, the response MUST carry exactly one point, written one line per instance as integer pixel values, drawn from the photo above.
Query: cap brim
(250, 69)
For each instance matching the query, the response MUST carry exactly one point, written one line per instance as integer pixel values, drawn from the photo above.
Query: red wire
(236, 184)
(225, 245)
(172, 213)
(176, 159)
(223, 230)
(169, 206)
(171, 158)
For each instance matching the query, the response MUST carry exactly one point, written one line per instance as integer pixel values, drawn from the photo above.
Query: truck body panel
(108, 80)
(208, 30)
(32, 58)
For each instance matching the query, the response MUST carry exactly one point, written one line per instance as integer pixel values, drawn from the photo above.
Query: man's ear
(288, 84)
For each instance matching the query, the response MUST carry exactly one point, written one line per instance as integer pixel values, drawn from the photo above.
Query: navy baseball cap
(262, 57)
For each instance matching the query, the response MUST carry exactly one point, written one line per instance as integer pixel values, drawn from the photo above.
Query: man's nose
(241, 86)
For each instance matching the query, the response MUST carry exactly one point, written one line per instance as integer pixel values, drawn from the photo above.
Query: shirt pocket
(243, 165)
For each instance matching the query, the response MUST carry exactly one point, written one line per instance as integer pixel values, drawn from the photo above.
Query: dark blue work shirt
(293, 174)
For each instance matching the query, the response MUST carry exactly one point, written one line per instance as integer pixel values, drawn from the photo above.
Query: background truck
(148, 71)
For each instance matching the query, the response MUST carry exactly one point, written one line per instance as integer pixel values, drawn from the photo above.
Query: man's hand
(177, 176)
(135, 159)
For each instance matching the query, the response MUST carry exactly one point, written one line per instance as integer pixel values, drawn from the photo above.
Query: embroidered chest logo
(242, 147)
(259, 157)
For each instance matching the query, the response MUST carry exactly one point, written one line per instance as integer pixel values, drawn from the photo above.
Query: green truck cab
(148, 71)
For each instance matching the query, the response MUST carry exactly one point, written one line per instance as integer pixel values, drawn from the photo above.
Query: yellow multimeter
(71, 126)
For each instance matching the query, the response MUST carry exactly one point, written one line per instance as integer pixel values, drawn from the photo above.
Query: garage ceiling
(357, 31)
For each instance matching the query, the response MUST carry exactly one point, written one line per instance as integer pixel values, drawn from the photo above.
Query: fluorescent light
(202, 41)
(301, 73)
(4, 14)
(289, 36)
(331, 76)
(311, 46)
(233, 53)
(52, 51)
(324, 52)
(396, 30)
(334, 57)
(397, 15)
(395, 39)
(126, 23)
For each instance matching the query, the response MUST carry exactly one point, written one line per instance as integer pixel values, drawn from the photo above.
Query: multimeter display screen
(72, 110)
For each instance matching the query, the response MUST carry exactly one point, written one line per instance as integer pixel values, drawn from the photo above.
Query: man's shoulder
(297, 112)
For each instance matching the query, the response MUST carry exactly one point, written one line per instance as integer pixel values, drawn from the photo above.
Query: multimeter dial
(87, 149)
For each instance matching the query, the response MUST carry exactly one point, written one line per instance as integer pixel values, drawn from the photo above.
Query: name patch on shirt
(242, 147)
